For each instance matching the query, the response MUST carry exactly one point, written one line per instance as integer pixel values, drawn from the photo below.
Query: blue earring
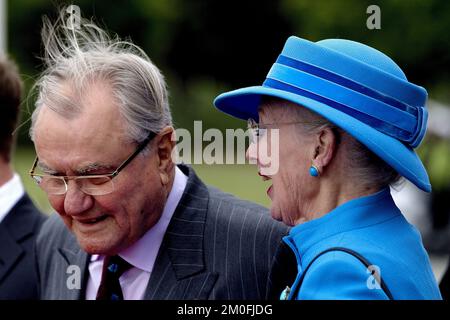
(313, 171)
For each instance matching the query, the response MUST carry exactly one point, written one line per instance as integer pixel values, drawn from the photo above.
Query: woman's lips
(265, 178)
(269, 191)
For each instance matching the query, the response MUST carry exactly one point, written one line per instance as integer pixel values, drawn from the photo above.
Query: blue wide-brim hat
(354, 86)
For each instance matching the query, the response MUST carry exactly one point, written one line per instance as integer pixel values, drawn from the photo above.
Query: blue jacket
(374, 227)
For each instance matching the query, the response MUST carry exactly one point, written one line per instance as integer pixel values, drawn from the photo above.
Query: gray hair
(366, 167)
(82, 54)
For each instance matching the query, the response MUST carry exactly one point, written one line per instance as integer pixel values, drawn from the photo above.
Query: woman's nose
(251, 154)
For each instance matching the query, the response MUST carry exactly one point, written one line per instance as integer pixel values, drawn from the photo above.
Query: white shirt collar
(142, 254)
(10, 194)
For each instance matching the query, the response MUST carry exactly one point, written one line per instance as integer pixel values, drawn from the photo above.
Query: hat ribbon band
(384, 117)
(346, 82)
(352, 99)
(374, 123)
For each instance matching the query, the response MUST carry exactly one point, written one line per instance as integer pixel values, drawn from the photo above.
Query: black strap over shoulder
(353, 253)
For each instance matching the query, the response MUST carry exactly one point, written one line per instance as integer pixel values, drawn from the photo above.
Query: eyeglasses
(257, 131)
(95, 185)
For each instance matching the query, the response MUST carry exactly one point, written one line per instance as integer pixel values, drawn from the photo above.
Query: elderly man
(19, 219)
(131, 224)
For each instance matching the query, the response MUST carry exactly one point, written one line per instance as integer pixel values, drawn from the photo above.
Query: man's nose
(76, 201)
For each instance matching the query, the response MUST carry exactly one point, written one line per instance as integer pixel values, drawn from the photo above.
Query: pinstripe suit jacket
(216, 247)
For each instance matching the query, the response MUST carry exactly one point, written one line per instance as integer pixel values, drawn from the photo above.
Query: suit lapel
(179, 267)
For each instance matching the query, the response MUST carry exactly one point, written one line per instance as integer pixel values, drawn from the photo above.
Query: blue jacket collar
(354, 214)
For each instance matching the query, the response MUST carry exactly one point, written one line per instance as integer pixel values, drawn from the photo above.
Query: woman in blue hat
(346, 122)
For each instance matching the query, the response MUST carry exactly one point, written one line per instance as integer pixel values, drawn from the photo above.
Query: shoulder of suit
(229, 207)
(24, 215)
(53, 232)
(216, 195)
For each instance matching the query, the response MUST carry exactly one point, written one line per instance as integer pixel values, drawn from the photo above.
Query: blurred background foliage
(207, 47)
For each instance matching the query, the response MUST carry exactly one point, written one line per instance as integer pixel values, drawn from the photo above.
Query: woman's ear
(326, 143)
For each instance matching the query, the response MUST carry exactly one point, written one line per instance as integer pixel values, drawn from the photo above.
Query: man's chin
(98, 246)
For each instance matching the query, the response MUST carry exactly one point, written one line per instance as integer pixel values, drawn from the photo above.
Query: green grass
(240, 180)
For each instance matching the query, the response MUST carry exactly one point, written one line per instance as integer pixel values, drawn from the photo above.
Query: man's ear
(325, 150)
(165, 146)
